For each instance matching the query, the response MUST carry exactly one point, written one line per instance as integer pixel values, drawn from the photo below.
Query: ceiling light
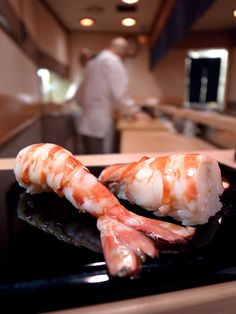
(130, 1)
(87, 22)
(234, 12)
(128, 22)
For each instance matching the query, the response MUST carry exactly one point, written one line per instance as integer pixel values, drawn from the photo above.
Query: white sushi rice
(146, 189)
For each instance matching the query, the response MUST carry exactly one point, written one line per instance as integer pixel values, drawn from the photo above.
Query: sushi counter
(32, 122)
(214, 295)
(225, 156)
(219, 128)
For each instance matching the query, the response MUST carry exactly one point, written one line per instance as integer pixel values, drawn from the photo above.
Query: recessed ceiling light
(130, 1)
(87, 22)
(234, 12)
(128, 22)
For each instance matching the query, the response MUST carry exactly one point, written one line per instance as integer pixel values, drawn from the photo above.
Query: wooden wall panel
(24, 26)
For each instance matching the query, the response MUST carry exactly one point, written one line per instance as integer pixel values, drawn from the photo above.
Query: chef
(103, 93)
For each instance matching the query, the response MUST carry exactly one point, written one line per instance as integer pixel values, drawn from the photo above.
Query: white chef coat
(103, 91)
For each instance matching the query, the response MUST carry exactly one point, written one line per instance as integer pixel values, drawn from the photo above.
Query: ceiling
(152, 18)
(69, 12)
(218, 17)
(105, 13)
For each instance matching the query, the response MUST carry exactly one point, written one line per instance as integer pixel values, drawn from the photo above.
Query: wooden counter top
(132, 142)
(142, 124)
(225, 156)
(13, 129)
(214, 299)
(17, 114)
(210, 118)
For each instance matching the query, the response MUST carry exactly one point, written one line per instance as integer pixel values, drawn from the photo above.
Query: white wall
(44, 29)
(142, 81)
(18, 73)
(170, 74)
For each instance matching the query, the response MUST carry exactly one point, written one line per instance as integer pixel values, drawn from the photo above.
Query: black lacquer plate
(51, 258)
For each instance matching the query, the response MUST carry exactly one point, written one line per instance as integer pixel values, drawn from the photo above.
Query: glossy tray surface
(51, 258)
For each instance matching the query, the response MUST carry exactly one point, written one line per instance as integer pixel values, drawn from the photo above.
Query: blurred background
(182, 67)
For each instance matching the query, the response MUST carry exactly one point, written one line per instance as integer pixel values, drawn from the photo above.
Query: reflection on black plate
(40, 273)
(58, 217)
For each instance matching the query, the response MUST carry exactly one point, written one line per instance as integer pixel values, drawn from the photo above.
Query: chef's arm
(118, 82)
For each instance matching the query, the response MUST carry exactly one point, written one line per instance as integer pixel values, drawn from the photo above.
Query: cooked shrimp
(48, 167)
(185, 187)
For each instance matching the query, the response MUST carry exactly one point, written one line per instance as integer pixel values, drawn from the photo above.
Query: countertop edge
(225, 156)
(22, 126)
(210, 299)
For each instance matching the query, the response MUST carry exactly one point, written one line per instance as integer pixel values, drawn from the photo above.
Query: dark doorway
(204, 80)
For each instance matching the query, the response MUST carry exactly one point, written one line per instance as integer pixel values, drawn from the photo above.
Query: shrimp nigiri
(48, 167)
(185, 187)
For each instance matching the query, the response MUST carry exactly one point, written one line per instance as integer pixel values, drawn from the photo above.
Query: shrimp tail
(124, 247)
(156, 229)
(125, 239)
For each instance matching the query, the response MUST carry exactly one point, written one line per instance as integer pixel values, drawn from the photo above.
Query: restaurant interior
(182, 75)
(172, 74)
